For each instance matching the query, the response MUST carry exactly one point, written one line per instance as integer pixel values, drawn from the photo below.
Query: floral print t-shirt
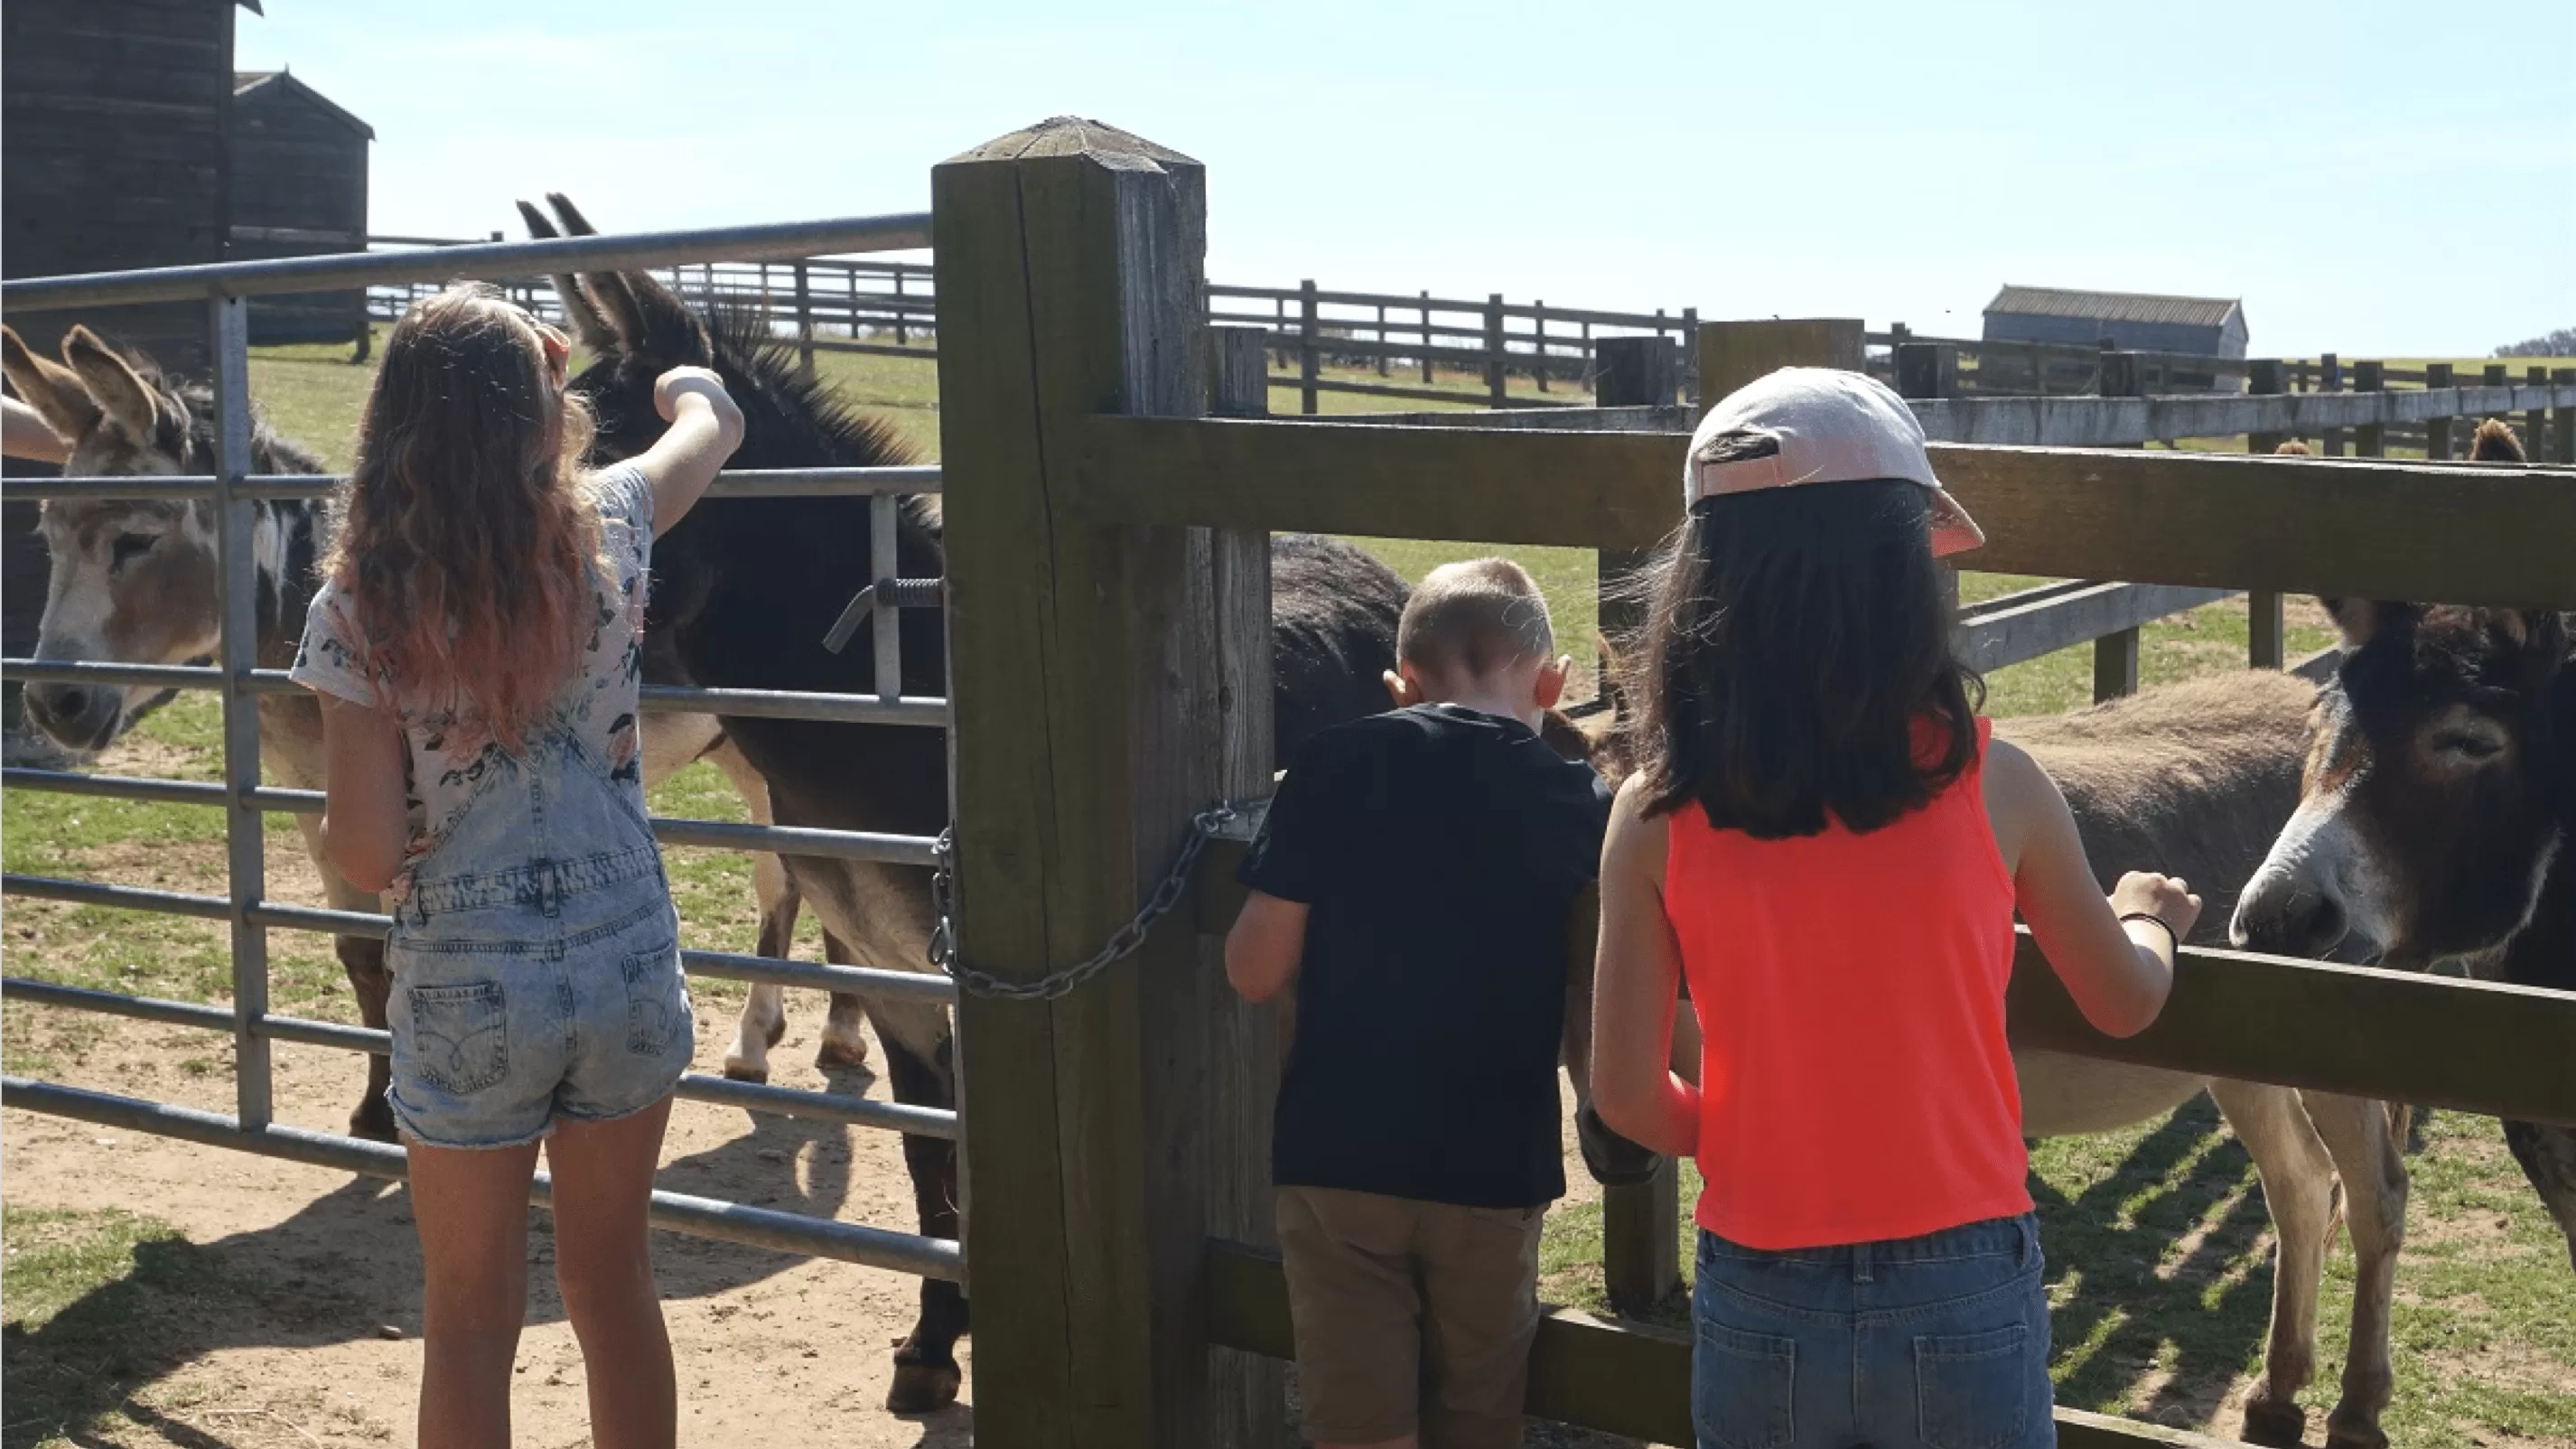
(597, 705)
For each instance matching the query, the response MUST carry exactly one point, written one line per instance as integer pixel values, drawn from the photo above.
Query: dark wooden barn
(114, 152)
(299, 189)
(2131, 321)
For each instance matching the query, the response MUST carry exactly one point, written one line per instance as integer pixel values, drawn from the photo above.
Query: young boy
(1412, 881)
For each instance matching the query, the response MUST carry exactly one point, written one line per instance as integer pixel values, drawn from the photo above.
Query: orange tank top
(1855, 1084)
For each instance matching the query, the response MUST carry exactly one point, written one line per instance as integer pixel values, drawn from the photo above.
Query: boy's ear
(1551, 681)
(1401, 690)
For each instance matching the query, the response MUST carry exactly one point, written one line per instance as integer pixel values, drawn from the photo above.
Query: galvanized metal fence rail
(233, 492)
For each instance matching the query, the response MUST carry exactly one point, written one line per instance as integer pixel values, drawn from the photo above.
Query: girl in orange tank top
(1822, 837)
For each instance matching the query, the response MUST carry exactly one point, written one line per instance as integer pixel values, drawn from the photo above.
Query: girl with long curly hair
(476, 646)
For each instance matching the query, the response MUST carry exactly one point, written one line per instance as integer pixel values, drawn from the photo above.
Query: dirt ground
(323, 1345)
(320, 1344)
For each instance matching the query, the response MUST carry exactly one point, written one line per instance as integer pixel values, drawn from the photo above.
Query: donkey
(2195, 779)
(745, 591)
(2438, 810)
(134, 583)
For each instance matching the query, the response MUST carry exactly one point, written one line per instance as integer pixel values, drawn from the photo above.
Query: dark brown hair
(467, 531)
(1473, 618)
(1797, 642)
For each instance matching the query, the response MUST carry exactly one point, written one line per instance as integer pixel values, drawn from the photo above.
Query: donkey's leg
(844, 1044)
(2373, 1166)
(2548, 1158)
(764, 1011)
(921, 1067)
(363, 958)
(2298, 1180)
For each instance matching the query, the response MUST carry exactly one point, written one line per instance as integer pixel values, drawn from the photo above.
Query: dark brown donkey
(744, 592)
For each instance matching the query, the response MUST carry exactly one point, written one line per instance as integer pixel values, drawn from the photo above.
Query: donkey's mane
(814, 419)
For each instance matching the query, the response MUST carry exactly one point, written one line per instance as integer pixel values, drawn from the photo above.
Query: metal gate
(232, 490)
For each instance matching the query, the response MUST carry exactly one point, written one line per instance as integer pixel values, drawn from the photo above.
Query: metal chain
(1056, 985)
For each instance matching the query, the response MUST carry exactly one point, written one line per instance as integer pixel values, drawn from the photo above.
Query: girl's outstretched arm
(28, 435)
(2119, 971)
(1636, 983)
(705, 428)
(364, 823)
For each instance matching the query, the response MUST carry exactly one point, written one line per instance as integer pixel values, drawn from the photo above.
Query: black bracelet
(2153, 919)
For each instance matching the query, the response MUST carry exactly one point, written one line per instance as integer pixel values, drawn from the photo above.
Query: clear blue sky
(2374, 178)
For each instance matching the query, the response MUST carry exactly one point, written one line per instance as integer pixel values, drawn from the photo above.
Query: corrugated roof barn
(2135, 321)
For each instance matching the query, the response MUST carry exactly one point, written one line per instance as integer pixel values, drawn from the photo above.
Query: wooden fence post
(1381, 340)
(2264, 621)
(2330, 379)
(2370, 440)
(1091, 720)
(1426, 338)
(1927, 369)
(1634, 372)
(2566, 416)
(2535, 421)
(804, 321)
(1732, 354)
(1687, 341)
(1306, 359)
(2437, 431)
(2115, 656)
(1494, 392)
(1538, 342)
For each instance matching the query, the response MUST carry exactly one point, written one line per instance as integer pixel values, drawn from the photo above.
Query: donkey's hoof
(837, 1053)
(738, 1070)
(2276, 1423)
(373, 1121)
(2354, 1431)
(922, 1388)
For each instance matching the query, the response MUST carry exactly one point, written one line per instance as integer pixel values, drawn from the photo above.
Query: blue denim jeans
(1939, 1341)
(536, 961)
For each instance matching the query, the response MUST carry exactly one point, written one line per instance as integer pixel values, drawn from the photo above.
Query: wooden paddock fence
(1109, 633)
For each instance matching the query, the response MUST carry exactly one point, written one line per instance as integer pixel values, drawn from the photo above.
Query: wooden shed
(114, 118)
(2132, 321)
(299, 166)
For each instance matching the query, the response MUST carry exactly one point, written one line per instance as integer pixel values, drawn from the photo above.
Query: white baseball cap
(1832, 427)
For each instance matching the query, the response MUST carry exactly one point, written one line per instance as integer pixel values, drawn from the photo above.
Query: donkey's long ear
(587, 324)
(119, 390)
(52, 389)
(2362, 620)
(652, 320)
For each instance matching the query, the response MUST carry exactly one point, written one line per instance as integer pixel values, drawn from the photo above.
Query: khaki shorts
(1410, 1316)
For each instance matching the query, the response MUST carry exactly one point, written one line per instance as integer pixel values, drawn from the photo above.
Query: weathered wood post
(2264, 621)
(1687, 340)
(902, 328)
(2370, 440)
(1381, 340)
(1091, 719)
(2565, 415)
(1538, 342)
(1634, 372)
(2535, 420)
(2330, 379)
(1927, 369)
(1494, 393)
(804, 321)
(2437, 430)
(1426, 337)
(1307, 361)
(2115, 656)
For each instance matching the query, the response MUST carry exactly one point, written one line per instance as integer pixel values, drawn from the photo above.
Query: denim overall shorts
(536, 960)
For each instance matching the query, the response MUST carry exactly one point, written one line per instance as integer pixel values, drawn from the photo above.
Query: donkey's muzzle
(76, 716)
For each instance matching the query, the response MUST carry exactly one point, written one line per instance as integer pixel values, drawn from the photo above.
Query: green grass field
(2160, 1275)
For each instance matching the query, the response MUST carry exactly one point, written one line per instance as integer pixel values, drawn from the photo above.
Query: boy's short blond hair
(1477, 616)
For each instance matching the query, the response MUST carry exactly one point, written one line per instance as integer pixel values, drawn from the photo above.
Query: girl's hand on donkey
(2167, 898)
(671, 388)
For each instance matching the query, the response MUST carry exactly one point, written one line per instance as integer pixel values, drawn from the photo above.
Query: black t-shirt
(1439, 850)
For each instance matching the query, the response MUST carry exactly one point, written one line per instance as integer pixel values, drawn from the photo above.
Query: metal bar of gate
(485, 261)
(890, 481)
(720, 965)
(671, 1211)
(693, 1086)
(228, 333)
